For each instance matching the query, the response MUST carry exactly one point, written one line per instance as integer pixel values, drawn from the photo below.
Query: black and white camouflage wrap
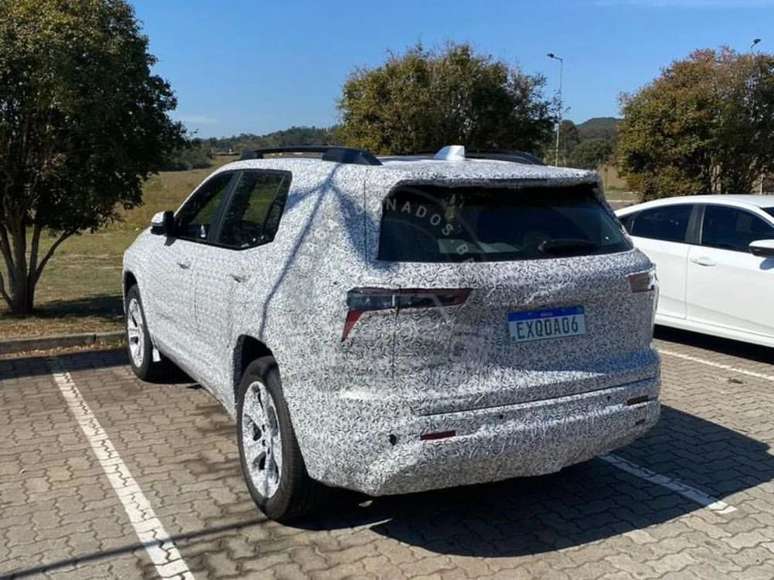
(359, 406)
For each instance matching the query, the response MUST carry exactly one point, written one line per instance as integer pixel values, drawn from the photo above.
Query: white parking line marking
(149, 529)
(683, 489)
(717, 365)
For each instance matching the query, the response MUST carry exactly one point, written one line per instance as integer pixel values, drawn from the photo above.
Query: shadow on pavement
(581, 504)
(52, 567)
(37, 365)
(744, 350)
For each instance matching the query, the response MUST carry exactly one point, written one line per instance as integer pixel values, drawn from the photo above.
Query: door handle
(184, 264)
(703, 261)
(239, 278)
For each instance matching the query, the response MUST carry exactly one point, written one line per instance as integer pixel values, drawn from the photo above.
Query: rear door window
(254, 211)
(668, 223)
(733, 229)
(458, 224)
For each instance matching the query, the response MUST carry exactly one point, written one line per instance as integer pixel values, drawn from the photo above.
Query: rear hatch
(508, 294)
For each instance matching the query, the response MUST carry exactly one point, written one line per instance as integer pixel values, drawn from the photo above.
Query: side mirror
(163, 223)
(762, 248)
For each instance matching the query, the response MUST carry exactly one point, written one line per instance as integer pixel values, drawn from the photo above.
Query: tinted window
(769, 210)
(198, 215)
(733, 229)
(254, 212)
(455, 224)
(668, 223)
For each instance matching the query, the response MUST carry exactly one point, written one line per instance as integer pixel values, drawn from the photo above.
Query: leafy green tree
(591, 153)
(194, 154)
(83, 122)
(569, 139)
(706, 125)
(422, 100)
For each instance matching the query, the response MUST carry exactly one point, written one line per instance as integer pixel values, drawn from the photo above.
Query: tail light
(643, 281)
(360, 300)
(646, 282)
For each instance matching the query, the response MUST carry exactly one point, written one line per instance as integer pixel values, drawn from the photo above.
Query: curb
(50, 342)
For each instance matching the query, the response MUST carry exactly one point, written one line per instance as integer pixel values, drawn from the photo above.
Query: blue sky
(258, 66)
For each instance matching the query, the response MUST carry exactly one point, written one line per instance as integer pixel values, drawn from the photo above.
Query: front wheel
(139, 342)
(271, 459)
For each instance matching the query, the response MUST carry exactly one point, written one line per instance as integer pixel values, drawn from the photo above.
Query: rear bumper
(489, 444)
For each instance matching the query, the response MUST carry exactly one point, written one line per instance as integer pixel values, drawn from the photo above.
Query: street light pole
(551, 55)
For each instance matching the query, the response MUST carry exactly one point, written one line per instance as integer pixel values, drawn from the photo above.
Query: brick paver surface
(60, 517)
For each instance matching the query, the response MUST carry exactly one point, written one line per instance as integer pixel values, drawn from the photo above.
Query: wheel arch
(248, 348)
(129, 280)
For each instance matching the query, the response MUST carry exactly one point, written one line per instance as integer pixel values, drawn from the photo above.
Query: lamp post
(756, 42)
(551, 55)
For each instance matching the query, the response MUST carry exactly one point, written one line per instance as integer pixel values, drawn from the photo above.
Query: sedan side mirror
(163, 224)
(762, 248)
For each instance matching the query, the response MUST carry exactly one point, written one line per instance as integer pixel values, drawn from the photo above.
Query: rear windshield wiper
(567, 247)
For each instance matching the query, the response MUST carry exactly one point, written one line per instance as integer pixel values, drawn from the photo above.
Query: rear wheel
(139, 343)
(271, 459)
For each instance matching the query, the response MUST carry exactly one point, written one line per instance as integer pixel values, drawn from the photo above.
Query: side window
(733, 229)
(198, 215)
(253, 215)
(668, 223)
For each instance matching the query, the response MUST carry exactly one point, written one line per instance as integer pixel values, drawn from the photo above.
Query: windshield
(457, 224)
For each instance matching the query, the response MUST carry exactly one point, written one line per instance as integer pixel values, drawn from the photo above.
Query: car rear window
(488, 224)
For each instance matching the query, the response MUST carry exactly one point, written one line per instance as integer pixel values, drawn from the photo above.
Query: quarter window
(253, 214)
(730, 228)
(197, 217)
(668, 223)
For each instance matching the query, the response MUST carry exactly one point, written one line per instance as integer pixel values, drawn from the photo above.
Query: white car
(714, 257)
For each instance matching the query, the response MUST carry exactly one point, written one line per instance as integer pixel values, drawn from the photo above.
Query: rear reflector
(438, 435)
(643, 281)
(360, 300)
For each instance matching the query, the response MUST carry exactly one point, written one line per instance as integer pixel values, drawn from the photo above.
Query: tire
(139, 345)
(278, 482)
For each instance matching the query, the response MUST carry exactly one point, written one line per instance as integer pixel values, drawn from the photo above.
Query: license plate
(545, 324)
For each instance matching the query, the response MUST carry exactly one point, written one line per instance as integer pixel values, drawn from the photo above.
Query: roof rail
(329, 153)
(512, 156)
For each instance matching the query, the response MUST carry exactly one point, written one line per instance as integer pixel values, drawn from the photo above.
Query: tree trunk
(23, 297)
(21, 294)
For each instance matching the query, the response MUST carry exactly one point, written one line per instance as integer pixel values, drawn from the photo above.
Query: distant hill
(292, 136)
(599, 128)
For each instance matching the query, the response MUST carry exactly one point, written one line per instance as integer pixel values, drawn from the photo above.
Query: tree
(193, 154)
(423, 100)
(569, 139)
(83, 122)
(705, 125)
(591, 153)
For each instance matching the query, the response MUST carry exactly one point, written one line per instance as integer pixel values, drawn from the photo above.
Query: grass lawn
(80, 290)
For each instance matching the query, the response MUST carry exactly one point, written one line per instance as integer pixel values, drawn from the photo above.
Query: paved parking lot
(103, 476)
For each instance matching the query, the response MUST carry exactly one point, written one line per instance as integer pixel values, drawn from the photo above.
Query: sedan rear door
(728, 286)
(662, 233)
